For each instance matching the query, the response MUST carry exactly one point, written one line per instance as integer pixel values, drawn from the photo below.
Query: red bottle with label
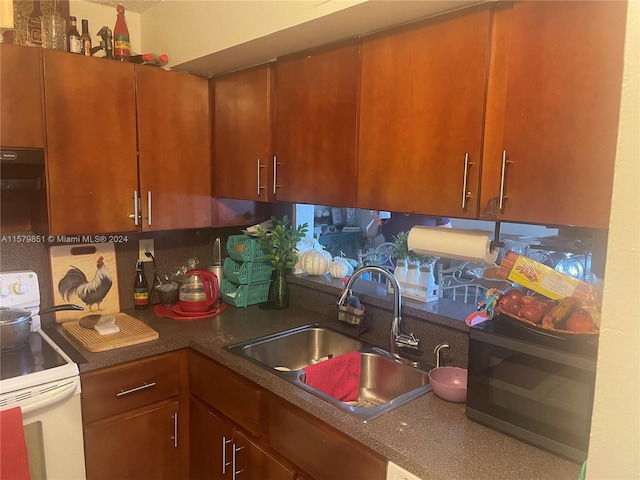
(121, 40)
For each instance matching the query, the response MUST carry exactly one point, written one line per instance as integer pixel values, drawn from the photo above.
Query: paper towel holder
(496, 243)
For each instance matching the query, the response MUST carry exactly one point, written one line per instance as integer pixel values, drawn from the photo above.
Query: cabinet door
(211, 444)
(552, 112)
(174, 149)
(316, 116)
(226, 391)
(91, 144)
(141, 446)
(421, 116)
(315, 447)
(256, 463)
(21, 109)
(242, 159)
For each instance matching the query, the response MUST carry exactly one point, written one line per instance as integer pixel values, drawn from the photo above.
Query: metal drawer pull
(175, 430)
(235, 472)
(122, 393)
(465, 178)
(225, 464)
(503, 174)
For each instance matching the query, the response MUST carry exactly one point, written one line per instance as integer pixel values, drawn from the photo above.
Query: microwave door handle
(53, 396)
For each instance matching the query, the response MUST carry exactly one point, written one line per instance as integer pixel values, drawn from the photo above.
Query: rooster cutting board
(85, 274)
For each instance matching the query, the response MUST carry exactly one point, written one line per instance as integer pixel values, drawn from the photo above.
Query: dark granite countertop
(427, 436)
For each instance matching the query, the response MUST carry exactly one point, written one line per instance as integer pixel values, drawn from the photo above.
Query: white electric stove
(44, 382)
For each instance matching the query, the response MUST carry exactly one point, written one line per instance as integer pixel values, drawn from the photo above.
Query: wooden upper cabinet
(552, 112)
(316, 98)
(21, 107)
(242, 159)
(174, 149)
(421, 115)
(91, 144)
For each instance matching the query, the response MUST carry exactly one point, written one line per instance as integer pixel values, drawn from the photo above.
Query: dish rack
(247, 272)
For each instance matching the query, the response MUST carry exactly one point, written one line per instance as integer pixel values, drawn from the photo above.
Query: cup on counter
(54, 32)
(169, 293)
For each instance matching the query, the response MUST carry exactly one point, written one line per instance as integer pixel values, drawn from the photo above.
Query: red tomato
(531, 313)
(509, 305)
(514, 293)
(580, 321)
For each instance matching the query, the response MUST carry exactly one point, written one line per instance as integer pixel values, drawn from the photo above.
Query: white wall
(99, 16)
(188, 30)
(614, 452)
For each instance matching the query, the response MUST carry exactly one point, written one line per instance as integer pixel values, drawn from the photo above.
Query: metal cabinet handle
(149, 206)
(275, 174)
(260, 187)
(503, 173)
(225, 464)
(235, 450)
(146, 385)
(175, 430)
(136, 208)
(465, 178)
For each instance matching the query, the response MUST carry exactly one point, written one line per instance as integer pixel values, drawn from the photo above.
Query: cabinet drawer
(225, 391)
(118, 389)
(318, 449)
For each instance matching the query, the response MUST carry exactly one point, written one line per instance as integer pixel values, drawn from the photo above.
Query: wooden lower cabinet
(317, 448)
(220, 451)
(135, 419)
(140, 446)
(261, 436)
(182, 415)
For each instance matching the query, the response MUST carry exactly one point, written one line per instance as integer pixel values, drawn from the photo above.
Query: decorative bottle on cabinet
(85, 38)
(74, 44)
(140, 288)
(122, 42)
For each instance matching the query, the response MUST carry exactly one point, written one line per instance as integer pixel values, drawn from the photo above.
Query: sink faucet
(397, 338)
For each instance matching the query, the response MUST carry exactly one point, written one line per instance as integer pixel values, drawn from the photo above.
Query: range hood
(22, 169)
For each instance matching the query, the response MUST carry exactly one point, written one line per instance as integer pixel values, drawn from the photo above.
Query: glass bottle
(74, 44)
(122, 42)
(85, 38)
(140, 288)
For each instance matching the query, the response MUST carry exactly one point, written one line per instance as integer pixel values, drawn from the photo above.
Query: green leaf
(281, 242)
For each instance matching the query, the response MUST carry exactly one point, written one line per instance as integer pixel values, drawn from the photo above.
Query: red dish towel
(14, 460)
(339, 376)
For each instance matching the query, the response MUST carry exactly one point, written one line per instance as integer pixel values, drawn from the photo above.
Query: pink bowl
(449, 383)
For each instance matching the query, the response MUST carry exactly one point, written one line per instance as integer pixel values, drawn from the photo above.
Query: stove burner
(17, 361)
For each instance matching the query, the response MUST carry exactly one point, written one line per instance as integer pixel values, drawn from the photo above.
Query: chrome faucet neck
(396, 323)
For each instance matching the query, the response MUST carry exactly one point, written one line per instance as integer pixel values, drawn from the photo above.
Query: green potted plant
(401, 251)
(280, 242)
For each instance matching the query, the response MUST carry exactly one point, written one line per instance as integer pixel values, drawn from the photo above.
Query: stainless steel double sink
(385, 382)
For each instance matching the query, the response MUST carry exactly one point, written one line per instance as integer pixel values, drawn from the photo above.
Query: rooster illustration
(90, 292)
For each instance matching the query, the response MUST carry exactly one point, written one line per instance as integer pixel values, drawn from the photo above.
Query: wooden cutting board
(132, 332)
(76, 265)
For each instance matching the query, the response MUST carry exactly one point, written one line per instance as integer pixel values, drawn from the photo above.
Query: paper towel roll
(466, 245)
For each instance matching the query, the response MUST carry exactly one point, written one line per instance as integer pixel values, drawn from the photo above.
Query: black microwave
(538, 390)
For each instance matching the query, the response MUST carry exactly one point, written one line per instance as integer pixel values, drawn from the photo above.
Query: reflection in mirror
(370, 237)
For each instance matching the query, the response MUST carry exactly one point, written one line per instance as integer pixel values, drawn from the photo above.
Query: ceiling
(136, 6)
